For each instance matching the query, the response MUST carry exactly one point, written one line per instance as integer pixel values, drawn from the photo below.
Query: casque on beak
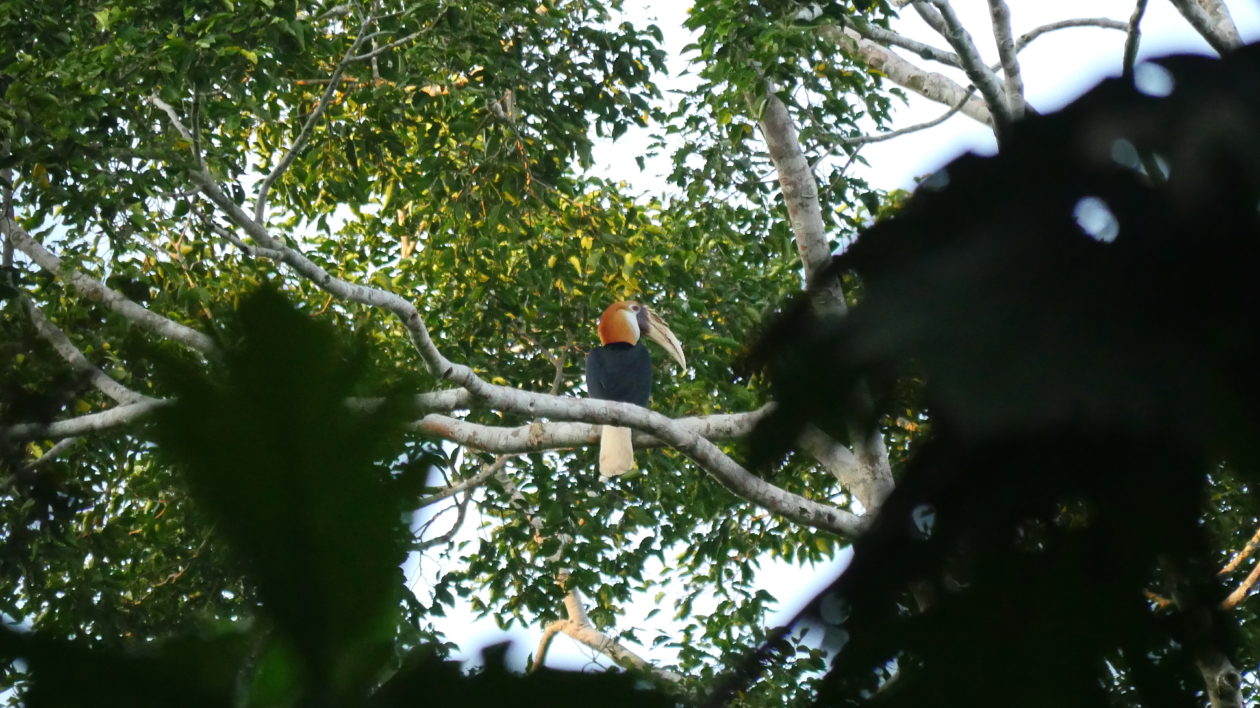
(660, 333)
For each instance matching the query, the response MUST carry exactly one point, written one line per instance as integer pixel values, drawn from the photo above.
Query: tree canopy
(294, 290)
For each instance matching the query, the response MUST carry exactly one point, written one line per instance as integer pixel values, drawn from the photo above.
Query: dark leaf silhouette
(1088, 333)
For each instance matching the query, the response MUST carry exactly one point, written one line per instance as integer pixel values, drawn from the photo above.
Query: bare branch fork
(579, 627)
(940, 15)
(872, 44)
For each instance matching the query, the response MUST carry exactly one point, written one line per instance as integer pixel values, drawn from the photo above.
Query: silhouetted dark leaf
(287, 472)
(1088, 336)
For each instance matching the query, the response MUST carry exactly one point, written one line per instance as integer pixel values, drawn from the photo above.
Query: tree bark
(929, 84)
(800, 194)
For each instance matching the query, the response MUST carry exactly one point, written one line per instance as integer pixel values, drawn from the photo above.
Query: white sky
(1057, 68)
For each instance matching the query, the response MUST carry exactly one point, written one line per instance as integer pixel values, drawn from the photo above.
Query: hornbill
(621, 370)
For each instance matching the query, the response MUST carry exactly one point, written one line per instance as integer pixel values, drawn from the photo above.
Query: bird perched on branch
(621, 370)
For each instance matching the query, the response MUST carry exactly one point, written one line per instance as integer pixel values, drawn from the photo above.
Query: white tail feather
(616, 454)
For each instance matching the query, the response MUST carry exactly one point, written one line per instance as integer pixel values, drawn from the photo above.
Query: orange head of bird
(627, 320)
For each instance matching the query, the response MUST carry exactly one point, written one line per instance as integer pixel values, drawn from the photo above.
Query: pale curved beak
(660, 333)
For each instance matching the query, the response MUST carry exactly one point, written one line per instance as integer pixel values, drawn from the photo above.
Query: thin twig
(460, 514)
(260, 201)
(487, 471)
(1078, 22)
(53, 452)
(880, 137)
(1133, 37)
(385, 48)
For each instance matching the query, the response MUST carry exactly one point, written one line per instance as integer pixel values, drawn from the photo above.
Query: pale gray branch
(1211, 19)
(800, 194)
(946, 22)
(97, 292)
(77, 360)
(541, 437)
(544, 644)
(866, 482)
(1013, 83)
(889, 38)
(579, 627)
(57, 450)
(931, 85)
(881, 137)
(85, 424)
(1074, 23)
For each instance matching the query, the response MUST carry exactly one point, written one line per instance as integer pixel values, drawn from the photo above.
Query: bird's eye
(635, 308)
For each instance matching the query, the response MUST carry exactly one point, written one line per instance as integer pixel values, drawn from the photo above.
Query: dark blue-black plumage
(620, 371)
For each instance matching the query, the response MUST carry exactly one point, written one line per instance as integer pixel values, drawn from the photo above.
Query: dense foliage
(253, 465)
(440, 148)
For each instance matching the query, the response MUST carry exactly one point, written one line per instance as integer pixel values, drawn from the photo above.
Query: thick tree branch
(800, 194)
(1242, 555)
(931, 85)
(97, 292)
(85, 424)
(1013, 83)
(864, 481)
(871, 44)
(534, 437)
(1244, 588)
(1211, 19)
(544, 644)
(77, 360)
(540, 437)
